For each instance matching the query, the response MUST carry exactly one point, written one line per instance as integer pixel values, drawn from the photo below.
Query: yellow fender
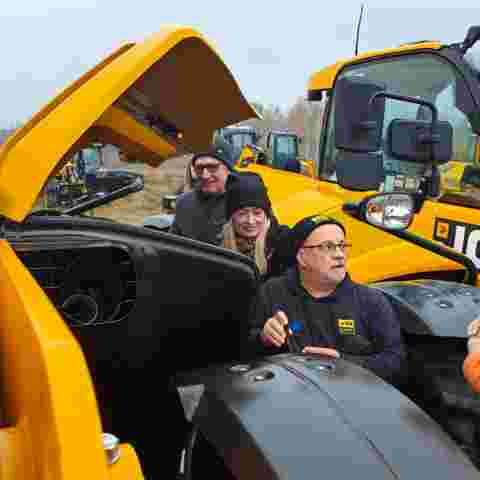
(50, 421)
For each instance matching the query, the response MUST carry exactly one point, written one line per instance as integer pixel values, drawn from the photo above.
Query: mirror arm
(404, 98)
(433, 137)
(418, 201)
(353, 209)
(471, 271)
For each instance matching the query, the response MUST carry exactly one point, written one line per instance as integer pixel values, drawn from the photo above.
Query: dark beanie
(221, 150)
(245, 189)
(302, 229)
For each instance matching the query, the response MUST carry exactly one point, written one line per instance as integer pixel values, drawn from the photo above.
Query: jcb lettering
(471, 249)
(463, 237)
(459, 239)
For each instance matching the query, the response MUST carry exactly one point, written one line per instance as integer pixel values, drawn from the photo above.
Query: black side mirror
(359, 171)
(358, 121)
(414, 141)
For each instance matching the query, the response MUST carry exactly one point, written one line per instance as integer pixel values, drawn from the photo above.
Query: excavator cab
(239, 137)
(282, 150)
(279, 149)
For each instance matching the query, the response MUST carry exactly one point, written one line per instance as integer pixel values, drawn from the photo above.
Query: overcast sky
(272, 47)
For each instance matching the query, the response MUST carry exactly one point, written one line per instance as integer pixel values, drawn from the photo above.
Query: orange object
(471, 370)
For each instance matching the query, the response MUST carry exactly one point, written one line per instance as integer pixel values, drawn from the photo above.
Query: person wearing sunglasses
(316, 308)
(200, 213)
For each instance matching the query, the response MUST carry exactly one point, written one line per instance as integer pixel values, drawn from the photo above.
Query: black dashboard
(90, 286)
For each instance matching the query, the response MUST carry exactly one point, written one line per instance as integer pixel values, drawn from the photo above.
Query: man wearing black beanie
(315, 308)
(200, 213)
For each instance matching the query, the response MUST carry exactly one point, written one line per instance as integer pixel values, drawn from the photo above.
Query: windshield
(428, 77)
(285, 150)
(287, 145)
(239, 140)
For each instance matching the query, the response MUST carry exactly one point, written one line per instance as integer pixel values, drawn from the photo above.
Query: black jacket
(356, 320)
(200, 216)
(277, 250)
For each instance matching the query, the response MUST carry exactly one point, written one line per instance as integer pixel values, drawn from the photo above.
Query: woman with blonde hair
(251, 227)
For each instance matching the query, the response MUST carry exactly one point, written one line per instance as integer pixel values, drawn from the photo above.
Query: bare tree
(305, 119)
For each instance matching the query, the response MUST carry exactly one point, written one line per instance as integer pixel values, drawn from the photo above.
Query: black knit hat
(245, 189)
(221, 150)
(302, 229)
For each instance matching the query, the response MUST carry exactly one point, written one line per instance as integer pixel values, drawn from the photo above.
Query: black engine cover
(297, 416)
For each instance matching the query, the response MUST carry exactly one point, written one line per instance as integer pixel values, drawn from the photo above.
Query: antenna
(358, 30)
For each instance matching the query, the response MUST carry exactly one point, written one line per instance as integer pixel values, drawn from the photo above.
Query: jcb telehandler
(446, 76)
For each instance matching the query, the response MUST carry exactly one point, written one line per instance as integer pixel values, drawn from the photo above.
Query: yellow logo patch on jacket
(346, 326)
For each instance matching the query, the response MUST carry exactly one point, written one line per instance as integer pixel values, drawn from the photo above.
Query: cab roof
(325, 78)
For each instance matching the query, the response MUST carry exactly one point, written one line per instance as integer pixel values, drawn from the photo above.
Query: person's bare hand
(473, 332)
(273, 332)
(263, 233)
(328, 352)
(473, 344)
(473, 328)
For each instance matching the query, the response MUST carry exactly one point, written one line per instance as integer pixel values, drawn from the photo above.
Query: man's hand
(273, 332)
(473, 332)
(328, 352)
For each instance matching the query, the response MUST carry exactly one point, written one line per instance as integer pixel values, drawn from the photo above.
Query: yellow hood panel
(173, 78)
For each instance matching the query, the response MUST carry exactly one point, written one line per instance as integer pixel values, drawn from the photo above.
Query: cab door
(284, 151)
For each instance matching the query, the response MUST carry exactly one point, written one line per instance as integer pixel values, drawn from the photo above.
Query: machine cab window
(431, 78)
(285, 150)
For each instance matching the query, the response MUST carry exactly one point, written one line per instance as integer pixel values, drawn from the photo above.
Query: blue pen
(294, 326)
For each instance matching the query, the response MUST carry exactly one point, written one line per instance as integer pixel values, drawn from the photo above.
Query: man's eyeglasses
(329, 247)
(210, 167)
